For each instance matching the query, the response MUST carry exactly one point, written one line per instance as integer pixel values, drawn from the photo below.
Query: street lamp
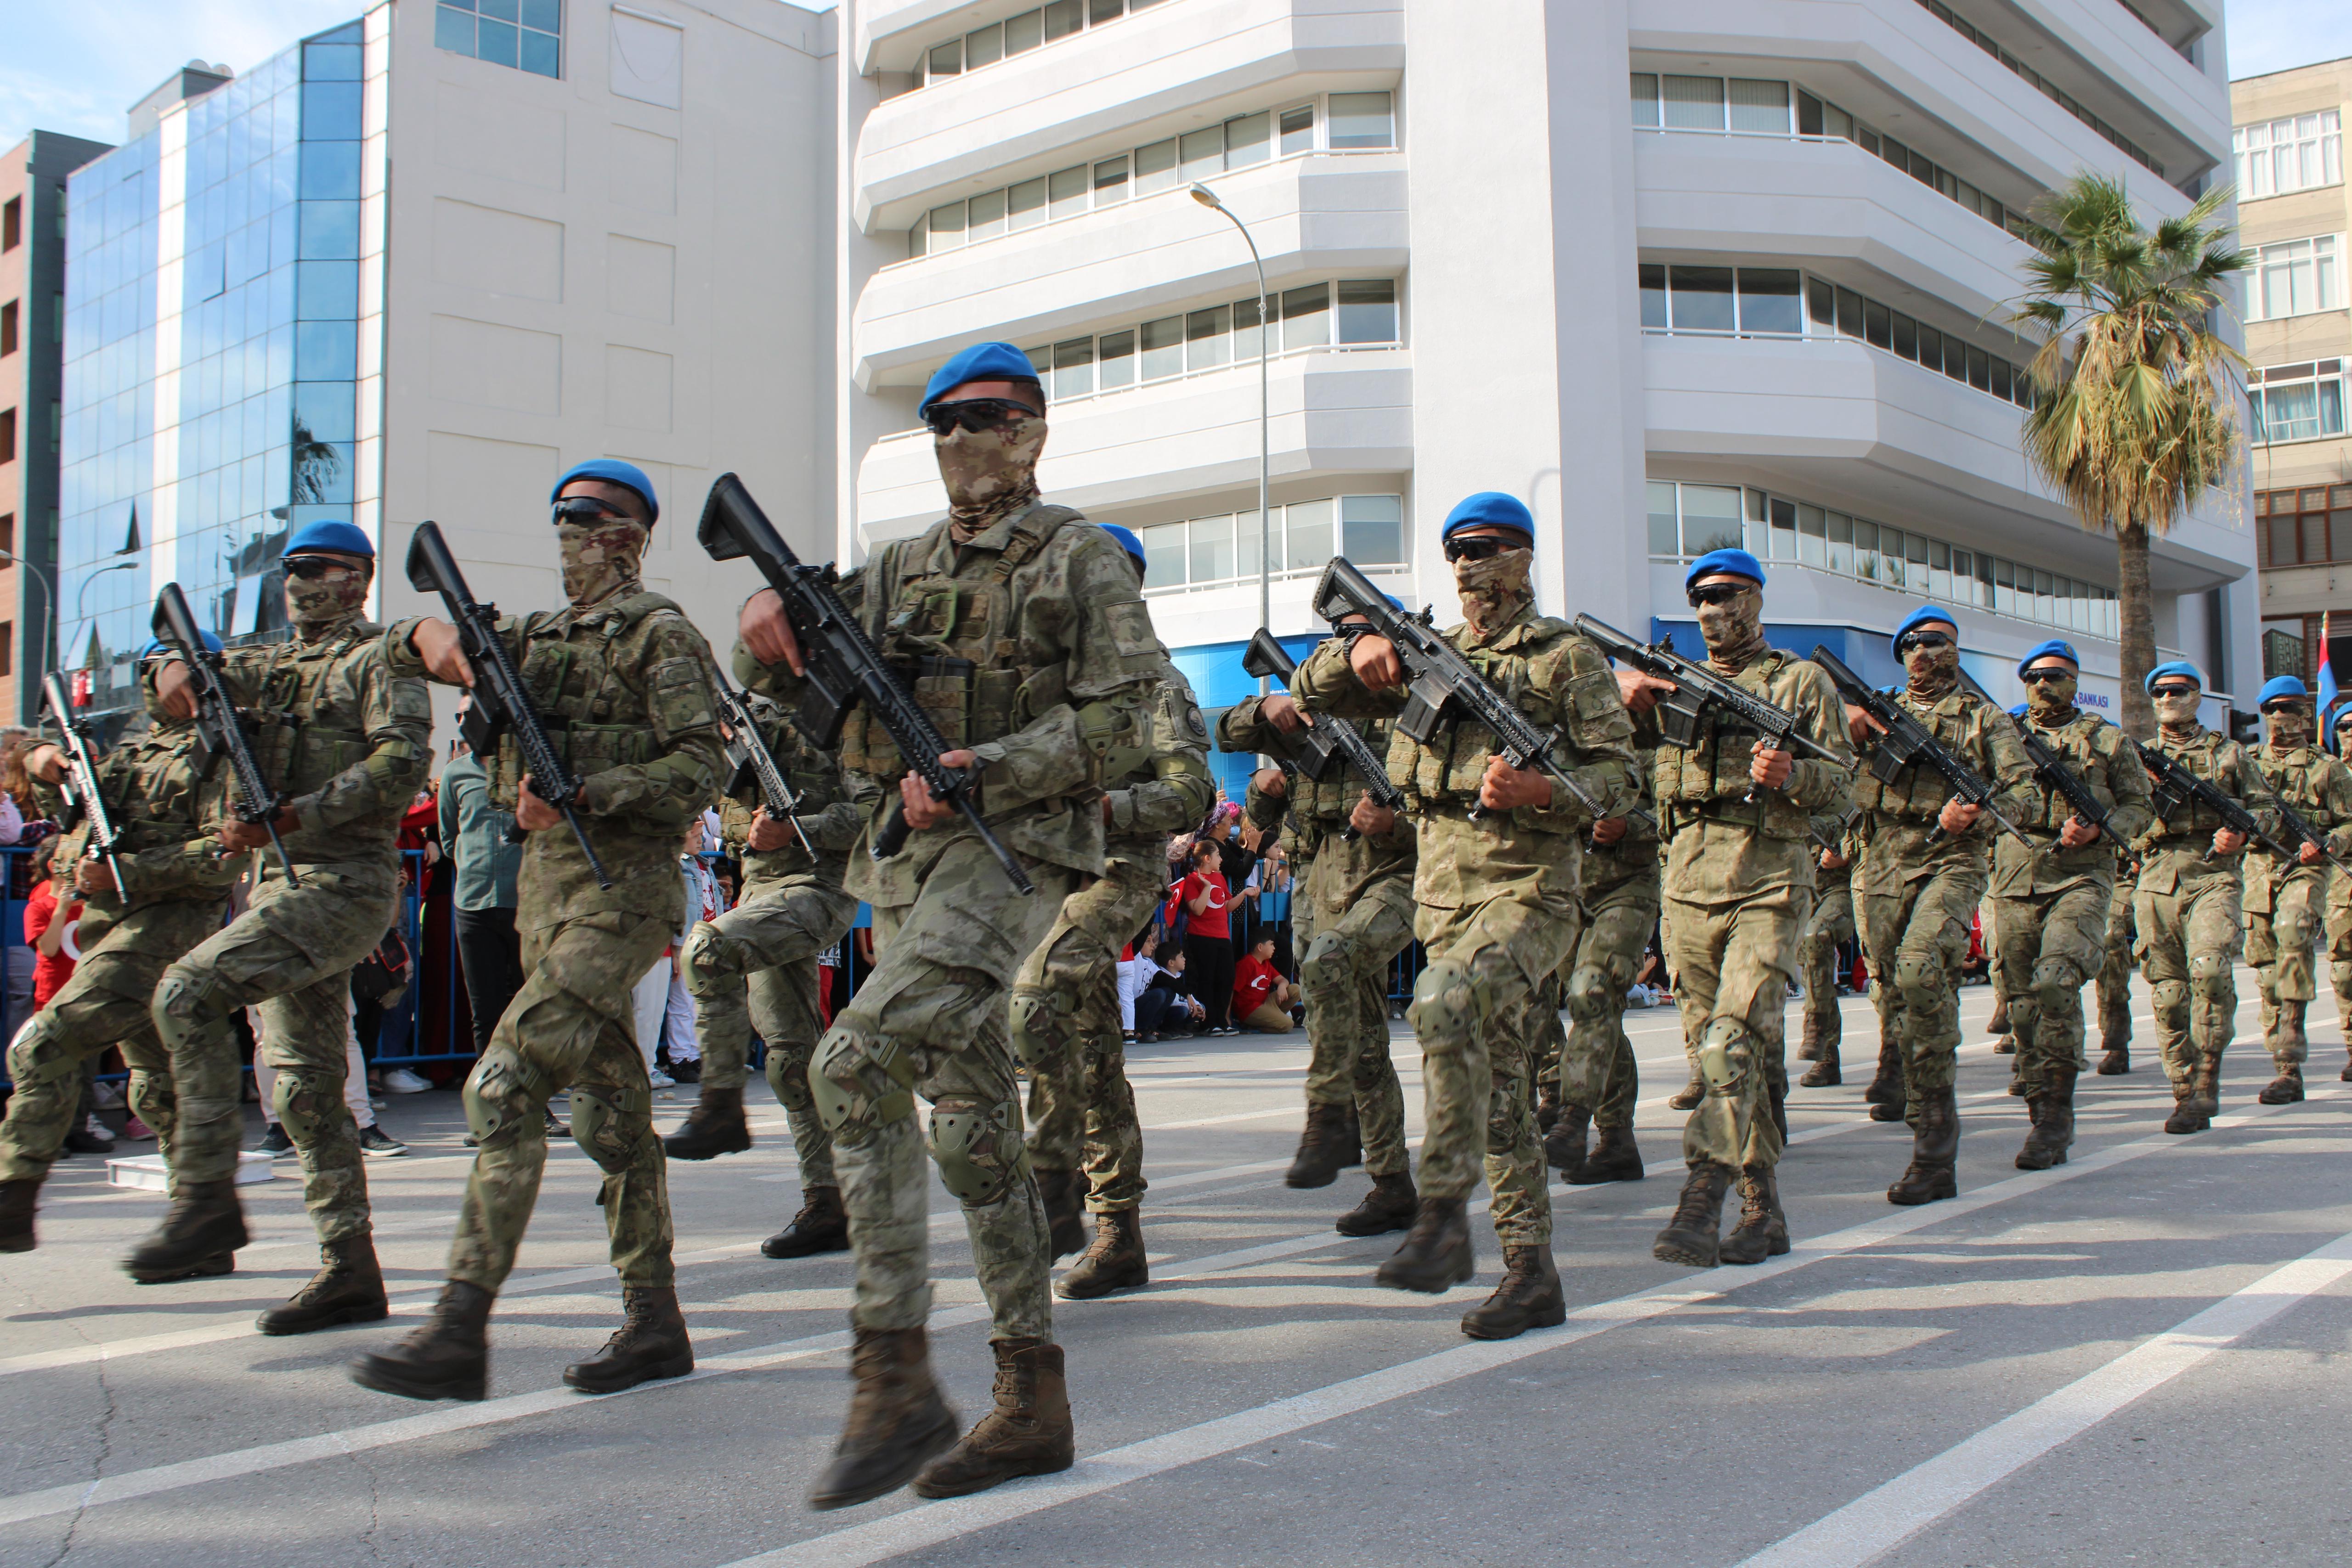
(49, 611)
(1208, 198)
(82, 594)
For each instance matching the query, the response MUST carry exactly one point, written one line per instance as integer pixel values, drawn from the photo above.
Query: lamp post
(49, 611)
(82, 594)
(1208, 198)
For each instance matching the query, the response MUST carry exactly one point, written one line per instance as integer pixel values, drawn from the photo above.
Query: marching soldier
(2339, 921)
(1737, 815)
(2050, 900)
(2115, 972)
(619, 673)
(2286, 901)
(1829, 928)
(1498, 894)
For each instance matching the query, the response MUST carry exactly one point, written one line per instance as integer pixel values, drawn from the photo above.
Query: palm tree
(2132, 420)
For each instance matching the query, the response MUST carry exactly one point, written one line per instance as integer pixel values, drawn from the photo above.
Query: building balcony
(1173, 68)
(1846, 426)
(1332, 412)
(1314, 216)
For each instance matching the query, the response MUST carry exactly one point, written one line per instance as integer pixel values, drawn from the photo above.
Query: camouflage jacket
(1030, 645)
(1316, 808)
(2177, 847)
(1900, 813)
(1634, 856)
(2319, 788)
(155, 796)
(828, 817)
(1557, 678)
(1726, 838)
(341, 734)
(1168, 785)
(1841, 833)
(622, 686)
(2097, 753)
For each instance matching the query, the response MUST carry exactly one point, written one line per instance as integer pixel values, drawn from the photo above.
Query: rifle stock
(1326, 735)
(82, 763)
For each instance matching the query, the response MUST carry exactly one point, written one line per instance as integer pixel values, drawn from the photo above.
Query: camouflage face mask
(1933, 672)
(2053, 701)
(1494, 589)
(2289, 726)
(989, 472)
(600, 558)
(318, 603)
(2177, 712)
(1734, 630)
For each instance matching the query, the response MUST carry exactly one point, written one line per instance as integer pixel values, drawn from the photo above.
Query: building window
(2295, 277)
(7, 648)
(1362, 119)
(2041, 84)
(2309, 526)
(8, 329)
(2283, 651)
(7, 434)
(1016, 35)
(1745, 301)
(2298, 153)
(1835, 310)
(525, 34)
(1221, 551)
(12, 224)
(7, 540)
(2296, 403)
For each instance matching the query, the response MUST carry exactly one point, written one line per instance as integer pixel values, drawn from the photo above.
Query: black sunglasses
(588, 509)
(310, 568)
(1911, 640)
(1484, 547)
(2035, 677)
(2175, 690)
(975, 415)
(1716, 593)
(2285, 706)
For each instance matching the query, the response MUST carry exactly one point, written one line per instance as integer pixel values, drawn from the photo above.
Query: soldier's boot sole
(1692, 1249)
(805, 1241)
(2184, 1119)
(2017, 1088)
(1924, 1184)
(1514, 1309)
(1890, 1110)
(1693, 1237)
(1617, 1158)
(1689, 1095)
(2039, 1153)
(1749, 1244)
(1436, 1254)
(2284, 1090)
(847, 1482)
(199, 1236)
(1564, 1146)
(2115, 1063)
(1825, 1073)
(194, 1269)
(707, 1143)
(1028, 1432)
(629, 1375)
(468, 1384)
(16, 1206)
(1389, 1205)
(1116, 1260)
(2005, 1046)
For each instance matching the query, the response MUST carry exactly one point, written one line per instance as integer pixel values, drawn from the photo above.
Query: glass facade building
(211, 354)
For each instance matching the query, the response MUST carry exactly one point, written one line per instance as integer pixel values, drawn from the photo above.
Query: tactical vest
(2296, 777)
(301, 688)
(1917, 793)
(1709, 779)
(1447, 769)
(588, 693)
(2206, 755)
(2076, 747)
(951, 640)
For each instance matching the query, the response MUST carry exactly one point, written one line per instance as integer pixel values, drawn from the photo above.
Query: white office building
(1679, 275)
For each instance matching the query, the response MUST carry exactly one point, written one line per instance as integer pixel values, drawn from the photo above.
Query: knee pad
(309, 1103)
(1594, 993)
(979, 1156)
(708, 960)
(38, 1057)
(860, 1084)
(1726, 1052)
(2209, 975)
(1446, 1007)
(2169, 996)
(1330, 966)
(1919, 980)
(609, 1124)
(1041, 1026)
(788, 1078)
(2057, 987)
(153, 1099)
(186, 1006)
(503, 1097)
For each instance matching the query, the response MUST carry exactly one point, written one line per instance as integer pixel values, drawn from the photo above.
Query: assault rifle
(2051, 769)
(501, 703)
(843, 667)
(2299, 827)
(1442, 686)
(219, 731)
(81, 766)
(1327, 736)
(2176, 786)
(1906, 743)
(747, 749)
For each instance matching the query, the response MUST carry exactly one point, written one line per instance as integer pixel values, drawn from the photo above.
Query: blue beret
(212, 645)
(2017, 712)
(1489, 507)
(981, 363)
(2057, 646)
(342, 538)
(2181, 667)
(2279, 686)
(1127, 541)
(1921, 617)
(1714, 563)
(612, 471)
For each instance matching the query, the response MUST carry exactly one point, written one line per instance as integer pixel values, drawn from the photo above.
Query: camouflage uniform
(755, 967)
(175, 886)
(2340, 957)
(2285, 902)
(622, 683)
(1591, 1059)
(1830, 927)
(348, 742)
(1029, 643)
(2115, 971)
(1498, 897)
(1352, 913)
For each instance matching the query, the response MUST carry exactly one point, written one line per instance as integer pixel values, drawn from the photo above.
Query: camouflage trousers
(572, 1026)
(1735, 962)
(1472, 1009)
(755, 967)
(2115, 971)
(2051, 943)
(1591, 1059)
(1066, 1032)
(931, 1022)
(1817, 956)
(1343, 978)
(107, 1002)
(1916, 938)
(291, 954)
(2280, 945)
(2190, 939)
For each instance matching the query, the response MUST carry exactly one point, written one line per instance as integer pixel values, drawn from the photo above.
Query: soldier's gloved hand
(46, 763)
(1769, 768)
(1832, 861)
(1283, 712)
(1642, 690)
(2226, 843)
(532, 810)
(767, 834)
(923, 809)
(1958, 818)
(93, 876)
(240, 836)
(1610, 831)
(767, 631)
(1271, 782)
(2307, 854)
(1506, 787)
(1369, 820)
(435, 642)
(1375, 662)
(2076, 833)
(176, 689)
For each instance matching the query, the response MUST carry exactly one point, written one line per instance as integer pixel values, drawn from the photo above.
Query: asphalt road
(2138, 1357)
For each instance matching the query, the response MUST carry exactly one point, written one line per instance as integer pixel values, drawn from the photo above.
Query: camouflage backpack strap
(1037, 526)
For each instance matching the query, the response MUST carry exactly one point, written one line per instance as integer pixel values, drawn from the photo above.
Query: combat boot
(1390, 1206)
(1689, 1094)
(2205, 1087)
(1436, 1254)
(2345, 1076)
(1885, 1096)
(1115, 1261)
(2287, 1087)
(1527, 1298)
(1763, 1230)
(2052, 1110)
(347, 1289)
(199, 1236)
(1064, 1196)
(1999, 1023)
(1825, 1074)
(1694, 1236)
(821, 1226)
(897, 1420)
(1027, 1434)
(16, 1214)
(2005, 1046)
(1563, 1146)
(1351, 1136)
(650, 1342)
(2186, 1117)
(1547, 1107)
(2116, 1061)
(1322, 1147)
(1935, 1153)
(447, 1358)
(2284, 1090)
(1617, 1157)
(1809, 1048)
(715, 1127)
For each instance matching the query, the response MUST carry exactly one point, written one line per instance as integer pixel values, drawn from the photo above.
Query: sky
(76, 67)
